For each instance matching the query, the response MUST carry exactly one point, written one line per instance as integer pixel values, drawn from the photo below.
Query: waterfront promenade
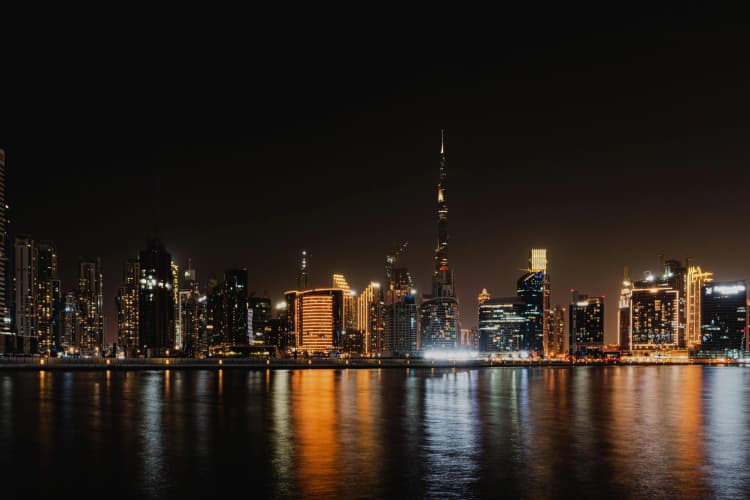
(43, 363)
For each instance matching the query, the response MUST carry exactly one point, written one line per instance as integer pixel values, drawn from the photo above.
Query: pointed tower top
(442, 141)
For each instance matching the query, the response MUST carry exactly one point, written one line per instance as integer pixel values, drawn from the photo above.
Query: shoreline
(163, 364)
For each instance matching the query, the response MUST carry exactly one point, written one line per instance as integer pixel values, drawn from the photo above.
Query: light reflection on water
(512, 432)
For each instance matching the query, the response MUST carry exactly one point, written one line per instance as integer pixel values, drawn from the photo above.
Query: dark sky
(607, 135)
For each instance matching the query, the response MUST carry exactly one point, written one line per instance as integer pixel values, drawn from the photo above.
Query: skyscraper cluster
(683, 308)
(525, 324)
(387, 320)
(161, 311)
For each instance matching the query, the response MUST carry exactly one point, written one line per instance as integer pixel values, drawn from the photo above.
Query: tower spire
(302, 281)
(442, 278)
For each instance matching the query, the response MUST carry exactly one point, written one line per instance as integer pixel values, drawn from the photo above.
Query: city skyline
(334, 149)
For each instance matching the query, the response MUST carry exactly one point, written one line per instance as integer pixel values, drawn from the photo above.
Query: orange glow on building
(317, 318)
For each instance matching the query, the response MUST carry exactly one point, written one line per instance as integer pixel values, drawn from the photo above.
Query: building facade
(400, 327)
(316, 319)
(6, 298)
(25, 288)
(156, 308)
(235, 331)
(126, 304)
(90, 306)
(48, 299)
(502, 324)
(724, 318)
(586, 325)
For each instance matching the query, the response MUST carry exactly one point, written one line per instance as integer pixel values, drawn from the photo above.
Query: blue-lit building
(724, 318)
(533, 290)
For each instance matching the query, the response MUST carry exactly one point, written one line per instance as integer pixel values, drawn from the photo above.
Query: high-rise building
(156, 308)
(90, 306)
(48, 298)
(660, 311)
(370, 307)
(400, 326)
(654, 316)
(6, 337)
(178, 341)
(316, 318)
(235, 307)
(126, 303)
(696, 279)
(586, 325)
(502, 324)
(724, 318)
(278, 329)
(350, 309)
(259, 309)
(71, 325)
(623, 313)
(558, 345)
(439, 311)
(26, 261)
(215, 320)
(533, 287)
(191, 311)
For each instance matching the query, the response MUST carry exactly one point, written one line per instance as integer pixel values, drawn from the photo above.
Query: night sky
(606, 136)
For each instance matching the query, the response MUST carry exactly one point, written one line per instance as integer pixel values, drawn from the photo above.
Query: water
(660, 431)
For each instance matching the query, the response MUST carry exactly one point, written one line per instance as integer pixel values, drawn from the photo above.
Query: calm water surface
(679, 431)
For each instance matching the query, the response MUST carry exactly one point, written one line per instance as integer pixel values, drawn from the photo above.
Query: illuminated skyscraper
(191, 313)
(439, 311)
(502, 324)
(90, 306)
(696, 279)
(126, 303)
(26, 261)
(316, 318)
(659, 311)
(48, 298)
(400, 326)
(156, 308)
(6, 298)
(533, 288)
(623, 312)
(483, 296)
(370, 318)
(176, 301)
(350, 310)
(724, 318)
(654, 316)
(215, 319)
(558, 344)
(259, 311)
(235, 307)
(586, 325)
(71, 325)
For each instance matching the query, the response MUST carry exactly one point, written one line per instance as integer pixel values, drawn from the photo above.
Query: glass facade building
(502, 324)
(724, 317)
(585, 325)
